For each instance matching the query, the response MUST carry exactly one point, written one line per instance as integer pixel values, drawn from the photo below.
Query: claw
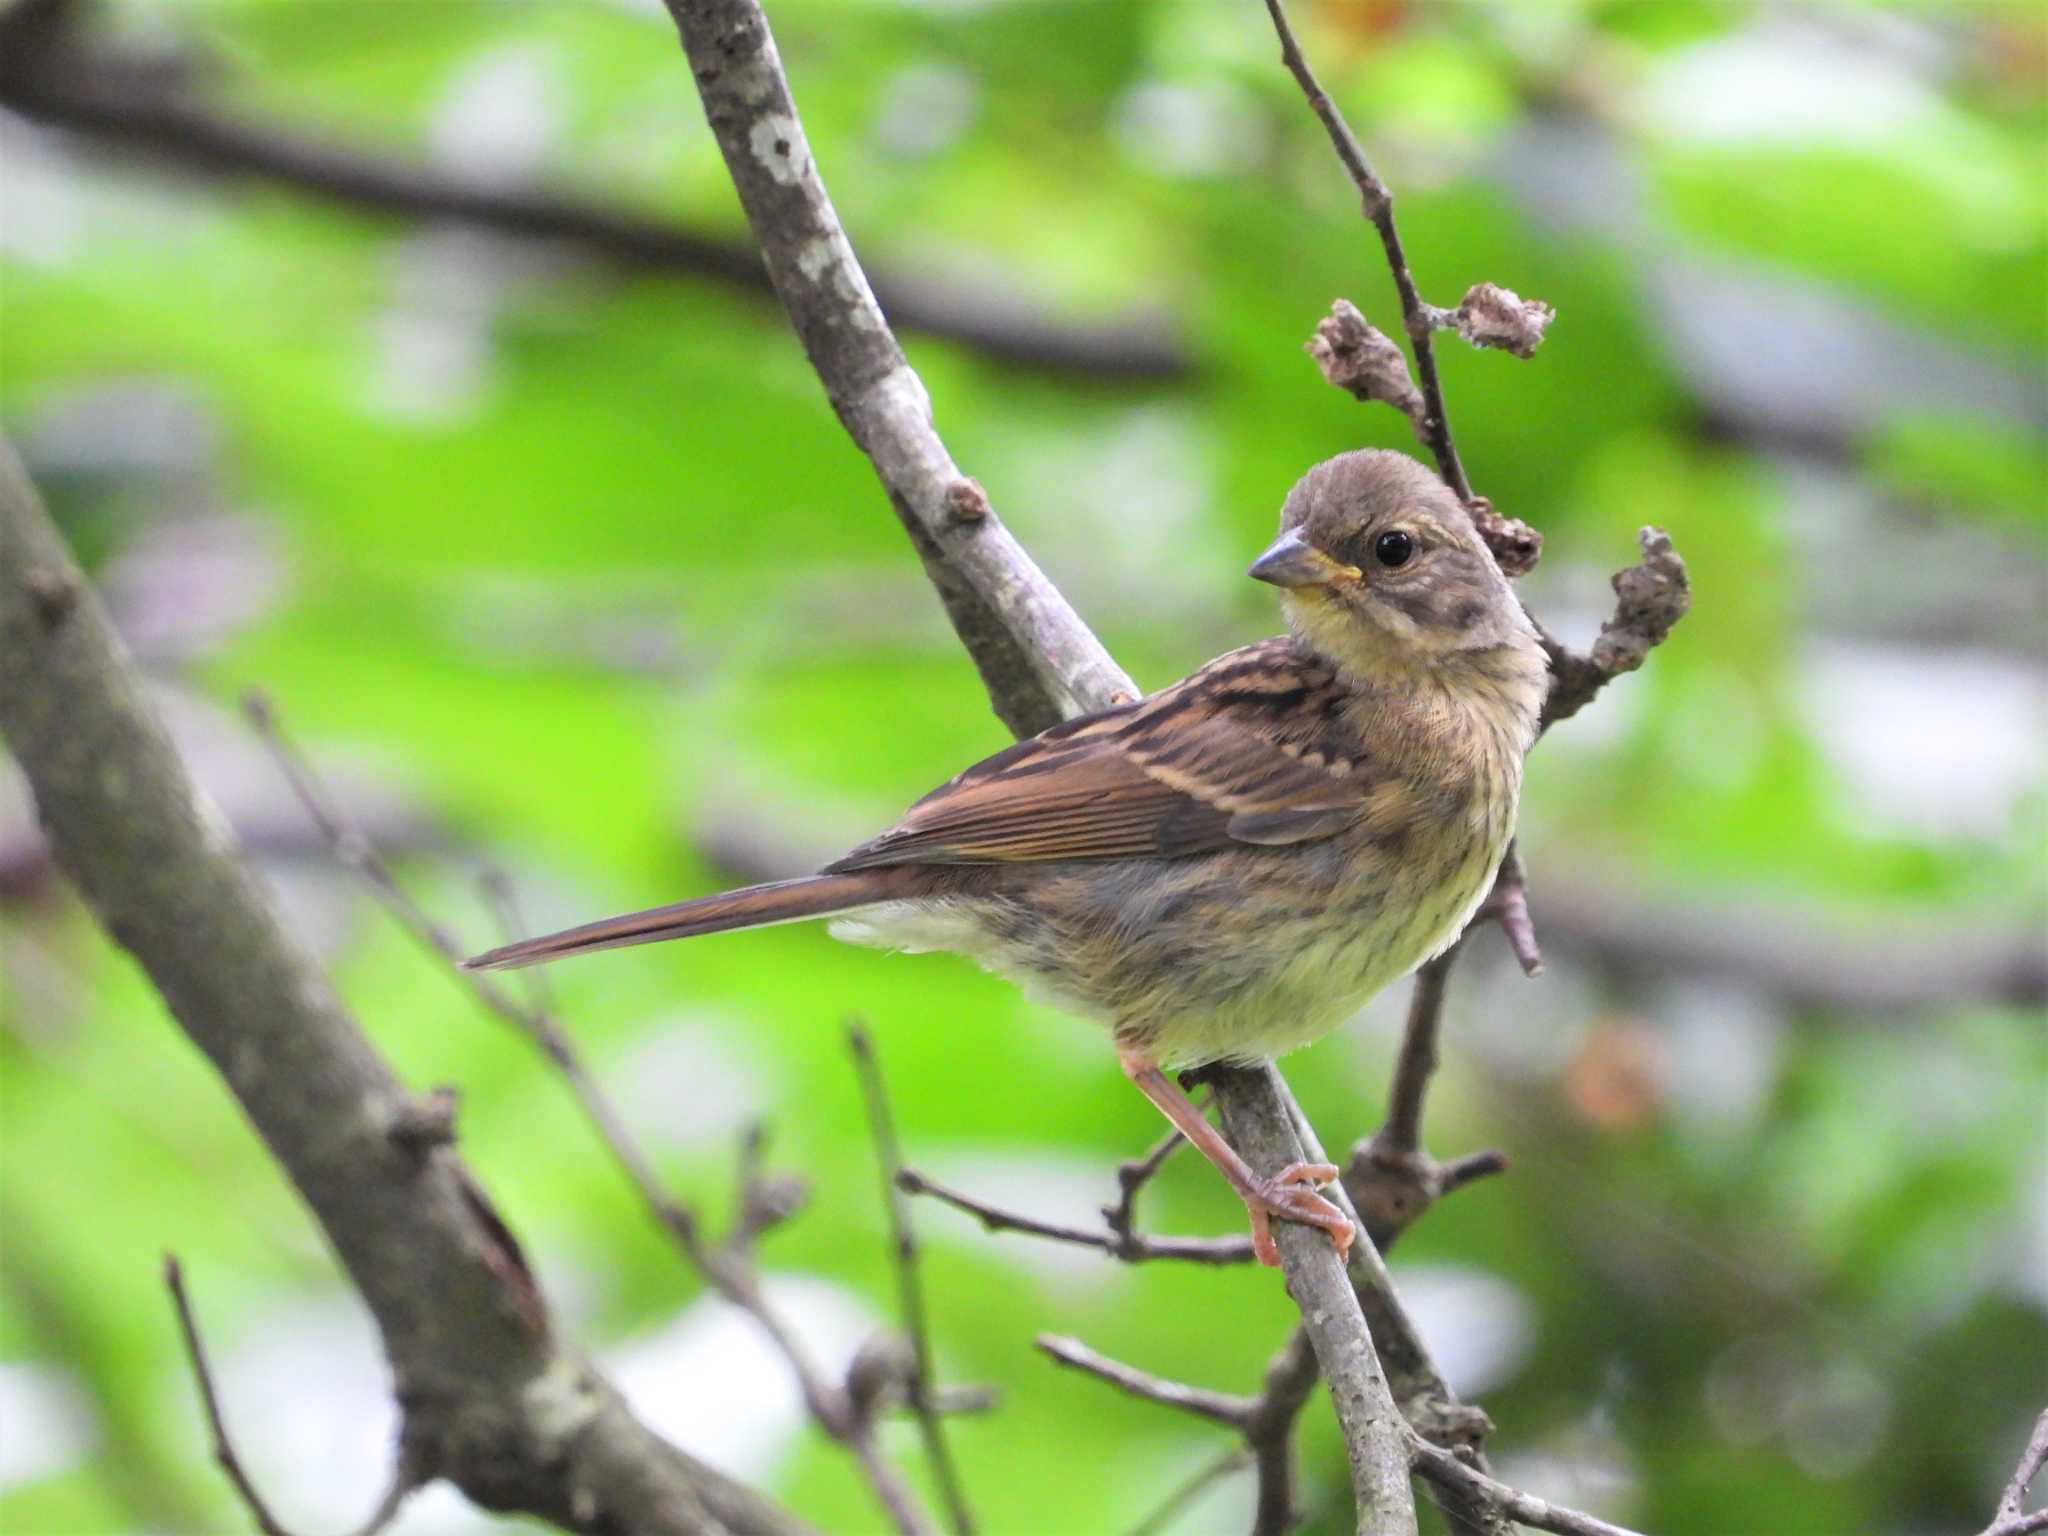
(1289, 1195)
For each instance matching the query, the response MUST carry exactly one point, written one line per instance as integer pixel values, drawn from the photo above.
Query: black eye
(1394, 548)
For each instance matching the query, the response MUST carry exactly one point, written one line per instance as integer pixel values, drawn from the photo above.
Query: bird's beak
(1294, 562)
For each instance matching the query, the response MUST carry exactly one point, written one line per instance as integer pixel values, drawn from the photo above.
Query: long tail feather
(753, 906)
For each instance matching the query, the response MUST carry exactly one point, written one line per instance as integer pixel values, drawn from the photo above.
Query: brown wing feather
(1215, 760)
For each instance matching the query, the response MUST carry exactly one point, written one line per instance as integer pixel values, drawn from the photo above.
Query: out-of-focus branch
(922, 1386)
(1039, 662)
(2012, 1518)
(142, 107)
(1390, 1175)
(209, 1402)
(491, 1399)
(1133, 1175)
(404, 1478)
(761, 1201)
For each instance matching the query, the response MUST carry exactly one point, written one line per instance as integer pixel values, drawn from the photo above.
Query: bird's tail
(753, 906)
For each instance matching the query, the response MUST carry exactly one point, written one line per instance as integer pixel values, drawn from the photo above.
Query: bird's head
(1379, 567)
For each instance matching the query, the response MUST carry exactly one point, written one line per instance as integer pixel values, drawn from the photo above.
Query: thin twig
(1269, 1431)
(209, 1401)
(1133, 1176)
(1225, 1408)
(404, 1479)
(1420, 319)
(909, 1281)
(1134, 1248)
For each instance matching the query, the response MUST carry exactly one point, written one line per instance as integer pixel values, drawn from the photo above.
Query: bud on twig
(1364, 362)
(1492, 316)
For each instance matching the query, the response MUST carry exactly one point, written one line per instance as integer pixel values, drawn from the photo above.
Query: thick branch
(127, 103)
(492, 1400)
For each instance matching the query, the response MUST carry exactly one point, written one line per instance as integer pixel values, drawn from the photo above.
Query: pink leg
(1287, 1194)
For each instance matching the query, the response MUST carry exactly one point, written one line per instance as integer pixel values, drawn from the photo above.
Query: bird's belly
(1237, 957)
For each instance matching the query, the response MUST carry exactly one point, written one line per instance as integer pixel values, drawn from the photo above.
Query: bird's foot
(1290, 1195)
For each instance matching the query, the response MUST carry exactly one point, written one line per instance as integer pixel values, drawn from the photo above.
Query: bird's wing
(1240, 752)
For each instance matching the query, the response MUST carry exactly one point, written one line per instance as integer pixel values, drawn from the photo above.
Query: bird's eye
(1394, 548)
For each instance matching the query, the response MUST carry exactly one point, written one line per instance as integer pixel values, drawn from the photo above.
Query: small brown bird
(1229, 868)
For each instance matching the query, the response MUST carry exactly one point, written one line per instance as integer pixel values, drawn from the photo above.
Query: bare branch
(1389, 1175)
(2011, 1518)
(139, 105)
(1132, 1176)
(1266, 1422)
(1269, 1431)
(909, 1283)
(1130, 1247)
(1450, 1472)
(1425, 1397)
(1223, 1408)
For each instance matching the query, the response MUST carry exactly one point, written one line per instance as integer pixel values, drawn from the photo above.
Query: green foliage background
(622, 591)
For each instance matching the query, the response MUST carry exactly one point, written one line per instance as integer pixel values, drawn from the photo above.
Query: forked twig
(1265, 1423)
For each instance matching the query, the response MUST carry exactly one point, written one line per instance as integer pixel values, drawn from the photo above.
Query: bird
(1226, 869)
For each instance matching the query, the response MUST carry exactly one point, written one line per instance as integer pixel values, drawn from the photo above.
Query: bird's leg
(1287, 1194)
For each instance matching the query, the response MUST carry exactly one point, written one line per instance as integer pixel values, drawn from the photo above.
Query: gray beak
(1292, 561)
